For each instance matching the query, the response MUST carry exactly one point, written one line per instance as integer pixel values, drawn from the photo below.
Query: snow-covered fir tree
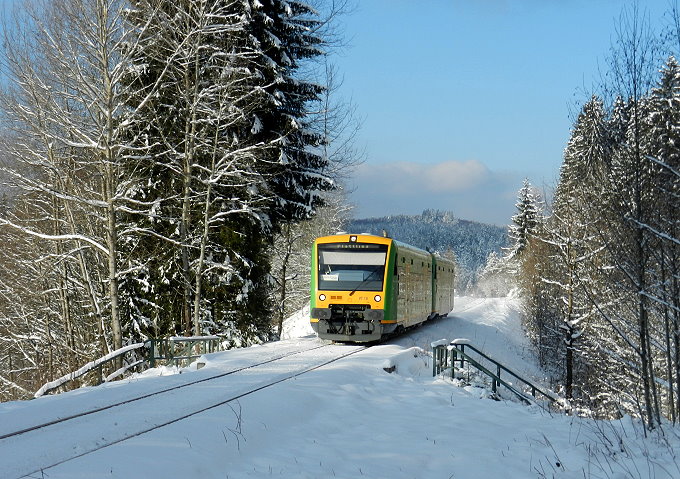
(223, 121)
(572, 233)
(525, 221)
(184, 85)
(286, 32)
(606, 300)
(662, 145)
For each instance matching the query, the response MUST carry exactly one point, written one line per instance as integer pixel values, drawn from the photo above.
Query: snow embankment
(412, 362)
(297, 326)
(352, 419)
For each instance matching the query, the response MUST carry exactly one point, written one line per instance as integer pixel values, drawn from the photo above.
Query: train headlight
(377, 298)
(322, 297)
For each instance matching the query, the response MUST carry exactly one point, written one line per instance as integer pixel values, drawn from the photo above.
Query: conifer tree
(223, 124)
(572, 232)
(525, 221)
(202, 196)
(661, 144)
(287, 34)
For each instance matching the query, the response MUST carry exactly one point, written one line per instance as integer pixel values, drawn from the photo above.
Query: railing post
(152, 353)
(439, 358)
(439, 361)
(170, 351)
(434, 361)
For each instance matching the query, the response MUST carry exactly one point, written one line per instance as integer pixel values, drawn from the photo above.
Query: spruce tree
(573, 231)
(293, 164)
(525, 221)
(223, 127)
(201, 196)
(662, 145)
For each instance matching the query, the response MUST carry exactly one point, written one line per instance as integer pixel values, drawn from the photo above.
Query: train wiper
(375, 270)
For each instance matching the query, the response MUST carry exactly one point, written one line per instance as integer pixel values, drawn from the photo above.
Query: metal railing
(445, 357)
(180, 350)
(97, 366)
(175, 351)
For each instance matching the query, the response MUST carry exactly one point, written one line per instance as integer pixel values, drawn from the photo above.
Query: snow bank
(413, 362)
(297, 326)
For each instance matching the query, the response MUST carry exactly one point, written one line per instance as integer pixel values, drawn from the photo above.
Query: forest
(158, 160)
(598, 268)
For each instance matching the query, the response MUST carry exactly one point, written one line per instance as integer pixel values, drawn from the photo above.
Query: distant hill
(441, 231)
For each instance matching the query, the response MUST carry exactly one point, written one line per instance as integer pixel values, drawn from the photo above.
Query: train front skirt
(350, 323)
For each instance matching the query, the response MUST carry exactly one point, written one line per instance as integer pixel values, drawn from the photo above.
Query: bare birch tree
(63, 105)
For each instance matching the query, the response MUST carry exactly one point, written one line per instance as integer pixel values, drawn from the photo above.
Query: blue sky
(460, 100)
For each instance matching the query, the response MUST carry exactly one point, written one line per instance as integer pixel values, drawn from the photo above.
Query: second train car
(364, 287)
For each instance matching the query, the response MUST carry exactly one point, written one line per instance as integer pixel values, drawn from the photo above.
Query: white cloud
(468, 188)
(451, 176)
(455, 176)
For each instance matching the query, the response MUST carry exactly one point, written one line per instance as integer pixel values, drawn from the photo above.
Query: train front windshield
(352, 266)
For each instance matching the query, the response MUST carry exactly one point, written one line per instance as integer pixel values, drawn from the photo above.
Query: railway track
(147, 395)
(62, 439)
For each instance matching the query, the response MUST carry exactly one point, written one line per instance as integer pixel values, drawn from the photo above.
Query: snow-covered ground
(352, 419)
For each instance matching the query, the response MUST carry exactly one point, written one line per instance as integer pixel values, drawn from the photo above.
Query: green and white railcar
(364, 287)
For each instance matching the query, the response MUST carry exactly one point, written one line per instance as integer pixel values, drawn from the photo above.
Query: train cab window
(351, 266)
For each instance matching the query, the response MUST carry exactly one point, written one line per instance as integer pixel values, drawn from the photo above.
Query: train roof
(368, 238)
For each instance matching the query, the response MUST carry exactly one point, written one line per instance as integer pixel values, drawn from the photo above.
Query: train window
(351, 266)
(411, 260)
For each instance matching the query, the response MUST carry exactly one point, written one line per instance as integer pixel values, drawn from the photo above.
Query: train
(366, 287)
